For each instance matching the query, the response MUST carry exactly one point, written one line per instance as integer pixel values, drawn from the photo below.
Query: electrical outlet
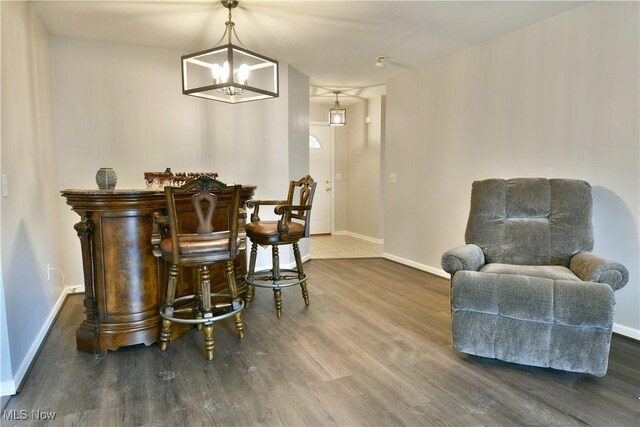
(393, 178)
(338, 176)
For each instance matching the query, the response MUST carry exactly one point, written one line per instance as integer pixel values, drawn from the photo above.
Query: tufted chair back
(530, 221)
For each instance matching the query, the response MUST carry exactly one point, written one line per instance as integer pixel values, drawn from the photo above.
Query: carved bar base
(124, 282)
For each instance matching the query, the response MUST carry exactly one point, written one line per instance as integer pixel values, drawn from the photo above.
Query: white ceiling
(334, 42)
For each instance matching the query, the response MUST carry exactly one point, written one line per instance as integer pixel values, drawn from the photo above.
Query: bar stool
(292, 226)
(181, 247)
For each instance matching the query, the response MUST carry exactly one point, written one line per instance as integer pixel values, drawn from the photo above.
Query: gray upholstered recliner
(525, 289)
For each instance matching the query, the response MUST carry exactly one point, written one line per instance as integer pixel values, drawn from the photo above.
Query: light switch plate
(5, 186)
(393, 178)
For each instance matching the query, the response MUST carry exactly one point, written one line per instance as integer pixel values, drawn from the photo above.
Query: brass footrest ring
(265, 279)
(234, 307)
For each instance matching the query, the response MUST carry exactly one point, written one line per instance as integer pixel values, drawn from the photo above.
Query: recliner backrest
(530, 221)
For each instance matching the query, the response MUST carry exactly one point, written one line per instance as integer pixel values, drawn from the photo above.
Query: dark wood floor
(372, 349)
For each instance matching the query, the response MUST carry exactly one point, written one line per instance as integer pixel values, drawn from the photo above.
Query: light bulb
(243, 74)
(225, 72)
(220, 74)
(216, 72)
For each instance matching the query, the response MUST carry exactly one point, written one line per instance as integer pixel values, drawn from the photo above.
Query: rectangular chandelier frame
(198, 80)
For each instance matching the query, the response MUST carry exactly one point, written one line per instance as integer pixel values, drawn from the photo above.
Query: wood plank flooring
(373, 349)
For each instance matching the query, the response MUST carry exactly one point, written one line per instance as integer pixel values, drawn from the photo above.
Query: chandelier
(229, 73)
(337, 115)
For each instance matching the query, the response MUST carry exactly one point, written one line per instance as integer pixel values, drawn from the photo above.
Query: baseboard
(617, 328)
(78, 289)
(626, 331)
(436, 271)
(9, 388)
(358, 236)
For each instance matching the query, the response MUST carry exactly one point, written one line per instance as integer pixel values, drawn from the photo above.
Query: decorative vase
(106, 179)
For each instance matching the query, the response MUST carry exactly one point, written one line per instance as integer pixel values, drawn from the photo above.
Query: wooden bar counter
(124, 282)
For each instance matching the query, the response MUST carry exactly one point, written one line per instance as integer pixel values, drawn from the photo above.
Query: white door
(320, 171)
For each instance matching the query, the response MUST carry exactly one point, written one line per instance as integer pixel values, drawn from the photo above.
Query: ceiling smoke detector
(380, 61)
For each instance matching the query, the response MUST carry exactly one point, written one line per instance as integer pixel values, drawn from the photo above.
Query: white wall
(7, 384)
(298, 119)
(364, 150)
(30, 222)
(121, 106)
(6, 375)
(556, 99)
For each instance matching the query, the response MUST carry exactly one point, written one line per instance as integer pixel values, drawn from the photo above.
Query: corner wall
(30, 221)
(298, 140)
(364, 191)
(556, 99)
(7, 385)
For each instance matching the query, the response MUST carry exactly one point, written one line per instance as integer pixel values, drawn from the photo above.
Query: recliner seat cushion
(555, 272)
(568, 302)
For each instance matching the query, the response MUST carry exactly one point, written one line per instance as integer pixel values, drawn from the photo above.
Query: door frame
(332, 228)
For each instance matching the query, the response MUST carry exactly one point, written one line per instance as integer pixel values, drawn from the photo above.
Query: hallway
(326, 246)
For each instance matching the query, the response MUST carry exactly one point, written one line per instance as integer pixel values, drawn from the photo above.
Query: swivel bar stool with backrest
(215, 240)
(292, 226)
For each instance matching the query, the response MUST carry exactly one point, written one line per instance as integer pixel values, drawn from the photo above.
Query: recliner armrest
(593, 268)
(466, 257)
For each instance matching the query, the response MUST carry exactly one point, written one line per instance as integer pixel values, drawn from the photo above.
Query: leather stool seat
(269, 229)
(198, 244)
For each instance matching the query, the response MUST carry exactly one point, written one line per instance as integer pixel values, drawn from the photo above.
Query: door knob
(327, 189)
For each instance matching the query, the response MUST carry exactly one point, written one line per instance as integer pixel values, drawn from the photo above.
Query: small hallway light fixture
(337, 115)
(229, 73)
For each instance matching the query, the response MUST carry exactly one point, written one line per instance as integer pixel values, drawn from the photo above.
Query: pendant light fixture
(229, 73)
(337, 115)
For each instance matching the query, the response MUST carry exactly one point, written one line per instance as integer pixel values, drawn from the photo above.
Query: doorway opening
(320, 168)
